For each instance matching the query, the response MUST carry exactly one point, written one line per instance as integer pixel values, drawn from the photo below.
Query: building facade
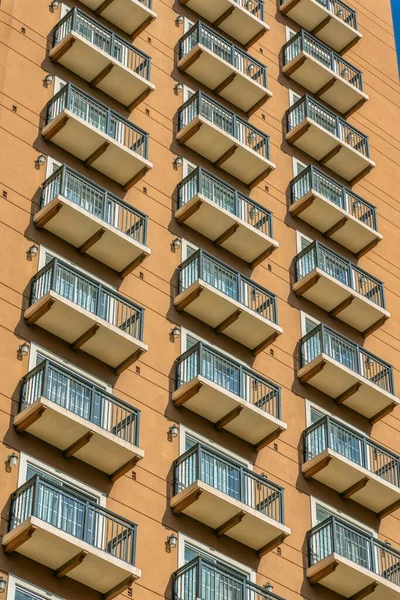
(199, 300)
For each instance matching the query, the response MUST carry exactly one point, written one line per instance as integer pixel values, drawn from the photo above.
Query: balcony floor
(88, 61)
(85, 142)
(72, 223)
(62, 428)
(213, 402)
(129, 15)
(70, 322)
(213, 221)
(214, 509)
(53, 548)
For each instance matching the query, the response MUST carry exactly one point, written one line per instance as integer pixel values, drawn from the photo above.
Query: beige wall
(149, 383)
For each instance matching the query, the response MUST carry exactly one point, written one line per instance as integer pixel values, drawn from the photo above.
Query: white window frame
(292, 99)
(14, 582)
(187, 24)
(184, 247)
(300, 236)
(289, 33)
(185, 167)
(185, 332)
(58, 84)
(310, 405)
(295, 162)
(185, 93)
(64, 9)
(314, 502)
(303, 317)
(50, 165)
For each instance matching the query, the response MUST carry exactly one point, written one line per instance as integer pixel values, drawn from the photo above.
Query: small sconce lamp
(340, 13)
(54, 5)
(179, 20)
(251, 138)
(268, 587)
(32, 252)
(350, 137)
(344, 72)
(173, 432)
(48, 80)
(250, 69)
(2, 585)
(11, 462)
(40, 161)
(23, 350)
(175, 244)
(178, 87)
(175, 333)
(172, 542)
(249, 4)
(178, 162)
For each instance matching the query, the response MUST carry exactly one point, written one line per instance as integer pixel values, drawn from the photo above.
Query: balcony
(227, 217)
(86, 314)
(345, 371)
(224, 68)
(324, 73)
(229, 498)
(194, 581)
(331, 21)
(54, 526)
(241, 309)
(98, 136)
(351, 562)
(243, 20)
(341, 288)
(329, 139)
(80, 418)
(93, 220)
(132, 16)
(225, 139)
(102, 58)
(335, 210)
(353, 465)
(229, 395)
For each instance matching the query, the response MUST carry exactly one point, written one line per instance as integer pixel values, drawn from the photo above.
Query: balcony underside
(132, 16)
(101, 70)
(329, 151)
(96, 149)
(225, 151)
(224, 79)
(78, 437)
(225, 229)
(227, 316)
(326, 26)
(352, 481)
(347, 387)
(324, 83)
(228, 411)
(349, 579)
(230, 17)
(84, 330)
(91, 235)
(334, 222)
(54, 548)
(228, 516)
(340, 301)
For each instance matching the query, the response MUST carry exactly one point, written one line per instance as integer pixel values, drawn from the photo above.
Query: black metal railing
(223, 278)
(330, 433)
(200, 33)
(81, 397)
(99, 116)
(324, 340)
(340, 9)
(226, 120)
(335, 535)
(63, 508)
(105, 39)
(308, 108)
(237, 379)
(313, 179)
(203, 579)
(89, 294)
(202, 463)
(95, 200)
(225, 196)
(319, 256)
(305, 42)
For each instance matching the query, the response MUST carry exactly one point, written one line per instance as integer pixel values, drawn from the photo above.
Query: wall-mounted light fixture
(40, 161)
(23, 350)
(48, 80)
(268, 587)
(32, 252)
(54, 5)
(3, 585)
(175, 244)
(175, 333)
(173, 432)
(178, 162)
(179, 20)
(11, 462)
(172, 542)
(178, 87)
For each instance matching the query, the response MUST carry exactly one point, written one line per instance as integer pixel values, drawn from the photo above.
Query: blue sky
(396, 20)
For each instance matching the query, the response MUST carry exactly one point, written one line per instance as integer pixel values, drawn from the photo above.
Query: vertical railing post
(35, 496)
(328, 428)
(241, 383)
(199, 576)
(333, 533)
(45, 373)
(198, 462)
(200, 358)
(74, 19)
(53, 276)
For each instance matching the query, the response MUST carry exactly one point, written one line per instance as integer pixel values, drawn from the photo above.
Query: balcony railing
(224, 49)
(323, 339)
(335, 535)
(105, 39)
(314, 179)
(220, 193)
(95, 200)
(304, 42)
(330, 433)
(200, 578)
(255, 7)
(237, 379)
(319, 256)
(82, 398)
(225, 475)
(100, 117)
(308, 108)
(202, 265)
(202, 105)
(340, 9)
(90, 295)
(60, 507)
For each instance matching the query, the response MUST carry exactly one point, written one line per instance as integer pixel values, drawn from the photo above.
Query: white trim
(58, 84)
(24, 459)
(185, 167)
(182, 539)
(310, 405)
(289, 33)
(295, 162)
(64, 10)
(185, 93)
(292, 98)
(14, 582)
(299, 237)
(303, 317)
(50, 165)
(184, 247)
(187, 24)
(339, 513)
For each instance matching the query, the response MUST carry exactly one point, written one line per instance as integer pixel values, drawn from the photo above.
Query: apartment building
(200, 313)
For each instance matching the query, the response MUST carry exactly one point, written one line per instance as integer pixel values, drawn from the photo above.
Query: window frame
(295, 162)
(303, 317)
(14, 582)
(314, 502)
(292, 99)
(289, 33)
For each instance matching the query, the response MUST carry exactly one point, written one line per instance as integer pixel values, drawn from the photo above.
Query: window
(189, 438)
(64, 9)
(289, 33)
(298, 167)
(307, 323)
(187, 24)
(18, 589)
(58, 84)
(293, 97)
(187, 93)
(302, 241)
(187, 168)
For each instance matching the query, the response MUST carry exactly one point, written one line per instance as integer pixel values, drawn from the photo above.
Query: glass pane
(316, 415)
